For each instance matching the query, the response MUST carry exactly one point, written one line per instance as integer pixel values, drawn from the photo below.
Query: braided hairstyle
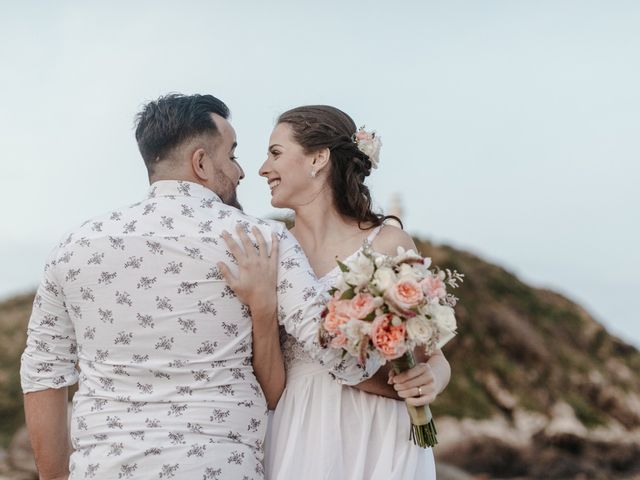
(321, 126)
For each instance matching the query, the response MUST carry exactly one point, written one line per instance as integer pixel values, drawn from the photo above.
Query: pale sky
(510, 128)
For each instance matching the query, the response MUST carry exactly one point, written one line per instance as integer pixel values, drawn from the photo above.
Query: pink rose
(363, 135)
(389, 339)
(361, 305)
(433, 287)
(369, 144)
(335, 316)
(403, 296)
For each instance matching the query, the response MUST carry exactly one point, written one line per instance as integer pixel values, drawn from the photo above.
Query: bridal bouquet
(386, 306)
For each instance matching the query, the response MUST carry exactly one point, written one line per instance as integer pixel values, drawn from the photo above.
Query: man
(163, 346)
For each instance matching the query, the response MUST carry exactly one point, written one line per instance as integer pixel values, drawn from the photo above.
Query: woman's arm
(268, 363)
(431, 374)
(267, 360)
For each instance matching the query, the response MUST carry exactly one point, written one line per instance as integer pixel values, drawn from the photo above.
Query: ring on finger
(419, 391)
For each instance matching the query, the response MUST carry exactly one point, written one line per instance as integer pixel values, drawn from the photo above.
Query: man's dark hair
(165, 123)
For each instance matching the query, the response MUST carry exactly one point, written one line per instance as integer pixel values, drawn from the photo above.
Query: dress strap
(374, 233)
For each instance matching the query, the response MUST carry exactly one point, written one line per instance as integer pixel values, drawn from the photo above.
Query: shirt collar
(181, 188)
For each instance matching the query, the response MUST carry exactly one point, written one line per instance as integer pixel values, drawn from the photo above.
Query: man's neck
(174, 177)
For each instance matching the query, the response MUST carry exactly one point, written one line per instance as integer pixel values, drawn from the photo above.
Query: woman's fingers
(414, 392)
(391, 374)
(249, 247)
(420, 401)
(275, 247)
(229, 277)
(263, 251)
(232, 245)
(408, 375)
(419, 387)
(421, 381)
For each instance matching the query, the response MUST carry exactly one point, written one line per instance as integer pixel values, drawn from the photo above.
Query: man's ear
(199, 164)
(320, 159)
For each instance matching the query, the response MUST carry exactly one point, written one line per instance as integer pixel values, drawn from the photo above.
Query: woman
(320, 429)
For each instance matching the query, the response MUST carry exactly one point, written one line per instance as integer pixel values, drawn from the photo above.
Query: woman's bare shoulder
(390, 238)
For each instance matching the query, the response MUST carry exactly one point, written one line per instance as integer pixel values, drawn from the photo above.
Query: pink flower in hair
(369, 144)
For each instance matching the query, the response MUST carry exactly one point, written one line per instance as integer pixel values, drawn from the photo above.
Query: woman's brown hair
(321, 126)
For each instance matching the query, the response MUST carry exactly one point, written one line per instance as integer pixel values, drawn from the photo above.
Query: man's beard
(226, 185)
(233, 202)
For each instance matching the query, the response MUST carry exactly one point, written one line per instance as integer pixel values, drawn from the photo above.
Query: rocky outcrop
(16, 463)
(20, 454)
(535, 447)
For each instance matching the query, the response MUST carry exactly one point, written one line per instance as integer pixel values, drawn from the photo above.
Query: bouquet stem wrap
(423, 429)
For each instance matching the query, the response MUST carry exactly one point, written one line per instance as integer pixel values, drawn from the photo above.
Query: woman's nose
(264, 169)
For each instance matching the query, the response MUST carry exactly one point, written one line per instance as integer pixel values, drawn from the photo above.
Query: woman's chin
(276, 201)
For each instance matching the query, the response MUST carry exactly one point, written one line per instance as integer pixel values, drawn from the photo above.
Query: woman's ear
(320, 159)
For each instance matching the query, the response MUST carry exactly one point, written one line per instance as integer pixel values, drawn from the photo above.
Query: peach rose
(389, 339)
(403, 296)
(433, 287)
(335, 315)
(362, 305)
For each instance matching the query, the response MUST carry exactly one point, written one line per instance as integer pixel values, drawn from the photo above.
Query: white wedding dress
(322, 430)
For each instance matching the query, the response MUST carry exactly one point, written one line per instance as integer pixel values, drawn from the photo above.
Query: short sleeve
(50, 357)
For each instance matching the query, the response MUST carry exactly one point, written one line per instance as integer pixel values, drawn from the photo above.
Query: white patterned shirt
(133, 306)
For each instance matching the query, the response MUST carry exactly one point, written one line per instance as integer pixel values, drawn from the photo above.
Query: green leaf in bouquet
(348, 294)
(342, 266)
(370, 318)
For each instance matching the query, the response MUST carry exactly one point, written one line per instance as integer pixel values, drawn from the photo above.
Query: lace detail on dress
(292, 350)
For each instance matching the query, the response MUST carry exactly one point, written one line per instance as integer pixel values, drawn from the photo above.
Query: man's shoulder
(263, 224)
(98, 224)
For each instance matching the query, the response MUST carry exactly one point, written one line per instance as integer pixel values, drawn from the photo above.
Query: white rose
(379, 259)
(420, 330)
(372, 150)
(360, 271)
(404, 255)
(407, 272)
(445, 321)
(356, 331)
(340, 284)
(384, 278)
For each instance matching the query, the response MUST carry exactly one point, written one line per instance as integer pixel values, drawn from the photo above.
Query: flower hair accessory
(369, 144)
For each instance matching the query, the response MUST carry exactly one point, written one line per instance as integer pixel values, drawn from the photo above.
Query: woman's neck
(319, 223)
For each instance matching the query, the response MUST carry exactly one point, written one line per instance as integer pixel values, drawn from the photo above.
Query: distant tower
(395, 208)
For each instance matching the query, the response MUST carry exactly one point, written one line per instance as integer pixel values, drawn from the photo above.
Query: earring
(312, 174)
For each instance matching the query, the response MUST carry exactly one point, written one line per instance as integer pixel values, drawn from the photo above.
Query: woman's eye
(234, 159)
